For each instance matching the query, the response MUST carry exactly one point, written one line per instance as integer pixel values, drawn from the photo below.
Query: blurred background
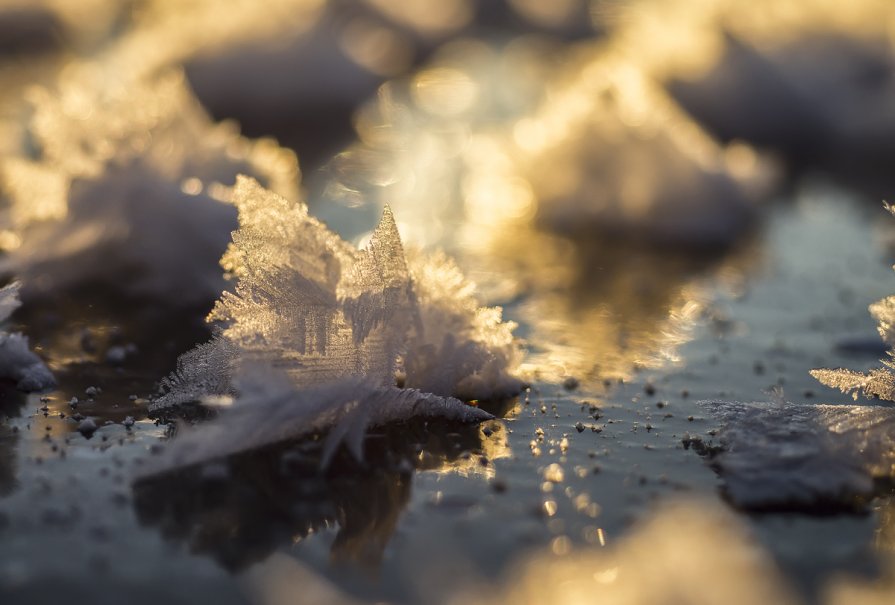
(674, 199)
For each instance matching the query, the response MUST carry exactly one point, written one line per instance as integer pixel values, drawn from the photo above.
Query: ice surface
(812, 457)
(17, 361)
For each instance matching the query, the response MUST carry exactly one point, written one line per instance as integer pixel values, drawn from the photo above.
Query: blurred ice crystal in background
(448, 294)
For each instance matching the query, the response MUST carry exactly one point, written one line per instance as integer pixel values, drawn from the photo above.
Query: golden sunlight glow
(444, 91)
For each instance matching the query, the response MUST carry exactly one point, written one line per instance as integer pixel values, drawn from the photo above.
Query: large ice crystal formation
(17, 361)
(324, 328)
(782, 455)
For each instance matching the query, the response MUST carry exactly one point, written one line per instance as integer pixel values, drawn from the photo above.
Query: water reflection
(242, 509)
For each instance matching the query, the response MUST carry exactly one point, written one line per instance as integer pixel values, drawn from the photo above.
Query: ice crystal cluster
(310, 314)
(123, 184)
(17, 361)
(781, 455)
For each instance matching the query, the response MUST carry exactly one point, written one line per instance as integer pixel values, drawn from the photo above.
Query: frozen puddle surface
(572, 471)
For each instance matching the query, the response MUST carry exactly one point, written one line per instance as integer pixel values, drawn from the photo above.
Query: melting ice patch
(783, 456)
(17, 361)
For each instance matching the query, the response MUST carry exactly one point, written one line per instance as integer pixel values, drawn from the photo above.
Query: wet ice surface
(436, 508)
(809, 458)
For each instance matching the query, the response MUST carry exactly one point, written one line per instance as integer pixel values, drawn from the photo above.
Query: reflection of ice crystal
(785, 456)
(17, 362)
(879, 382)
(309, 310)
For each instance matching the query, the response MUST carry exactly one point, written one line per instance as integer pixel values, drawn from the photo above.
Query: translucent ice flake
(807, 457)
(318, 310)
(17, 362)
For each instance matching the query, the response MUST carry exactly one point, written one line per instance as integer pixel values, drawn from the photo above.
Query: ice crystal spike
(318, 310)
(17, 361)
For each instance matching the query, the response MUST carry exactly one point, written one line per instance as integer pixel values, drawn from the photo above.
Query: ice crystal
(878, 382)
(17, 361)
(124, 186)
(803, 456)
(322, 327)
(462, 349)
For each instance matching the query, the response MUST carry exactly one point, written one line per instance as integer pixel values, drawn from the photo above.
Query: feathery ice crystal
(17, 361)
(315, 332)
(311, 305)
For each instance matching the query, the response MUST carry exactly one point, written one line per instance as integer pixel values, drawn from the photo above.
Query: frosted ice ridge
(806, 457)
(17, 361)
